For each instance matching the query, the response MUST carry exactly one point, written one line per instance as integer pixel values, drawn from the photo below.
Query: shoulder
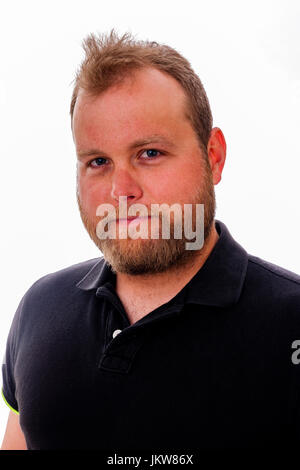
(65, 278)
(274, 281)
(52, 301)
(277, 273)
(57, 292)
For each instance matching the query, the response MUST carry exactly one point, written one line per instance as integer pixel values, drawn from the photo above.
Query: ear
(216, 150)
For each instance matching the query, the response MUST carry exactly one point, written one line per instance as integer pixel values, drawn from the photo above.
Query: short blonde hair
(110, 58)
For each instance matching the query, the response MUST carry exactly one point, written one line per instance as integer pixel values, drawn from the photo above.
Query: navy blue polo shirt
(215, 367)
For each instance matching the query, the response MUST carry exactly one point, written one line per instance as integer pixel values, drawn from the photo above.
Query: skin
(151, 103)
(14, 438)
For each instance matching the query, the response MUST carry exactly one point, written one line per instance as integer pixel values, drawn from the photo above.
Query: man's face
(170, 168)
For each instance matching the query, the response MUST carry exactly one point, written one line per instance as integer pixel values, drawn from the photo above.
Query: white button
(115, 333)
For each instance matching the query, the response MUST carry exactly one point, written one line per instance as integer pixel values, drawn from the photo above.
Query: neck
(167, 284)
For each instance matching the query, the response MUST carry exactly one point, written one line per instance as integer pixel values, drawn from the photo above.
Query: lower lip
(135, 221)
(132, 222)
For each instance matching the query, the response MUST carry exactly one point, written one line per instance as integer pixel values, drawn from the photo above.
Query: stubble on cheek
(141, 256)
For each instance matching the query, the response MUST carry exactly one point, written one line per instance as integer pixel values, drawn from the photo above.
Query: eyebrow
(155, 138)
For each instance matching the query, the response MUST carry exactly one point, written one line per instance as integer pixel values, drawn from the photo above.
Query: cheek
(90, 194)
(178, 185)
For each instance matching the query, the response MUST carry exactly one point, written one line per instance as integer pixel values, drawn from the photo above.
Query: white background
(247, 56)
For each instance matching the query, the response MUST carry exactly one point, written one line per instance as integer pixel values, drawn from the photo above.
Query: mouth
(137, 219)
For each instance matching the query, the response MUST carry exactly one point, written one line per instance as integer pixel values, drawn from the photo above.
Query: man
(153, 346)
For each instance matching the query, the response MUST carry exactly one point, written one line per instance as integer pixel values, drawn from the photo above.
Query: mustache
(115, 219)
(156, 212)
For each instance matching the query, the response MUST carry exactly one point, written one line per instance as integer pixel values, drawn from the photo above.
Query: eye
(97, 162)
(151, 154)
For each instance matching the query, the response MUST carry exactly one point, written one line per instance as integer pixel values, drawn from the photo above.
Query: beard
(149, 256)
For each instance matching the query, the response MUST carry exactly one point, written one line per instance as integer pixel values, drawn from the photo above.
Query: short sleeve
(8, 366)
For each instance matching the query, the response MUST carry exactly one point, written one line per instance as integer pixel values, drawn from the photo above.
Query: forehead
(146, 101)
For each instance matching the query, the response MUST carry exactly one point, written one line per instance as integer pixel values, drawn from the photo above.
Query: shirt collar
(218, 282)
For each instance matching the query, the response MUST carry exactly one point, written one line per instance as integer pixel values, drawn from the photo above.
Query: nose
(125, 184)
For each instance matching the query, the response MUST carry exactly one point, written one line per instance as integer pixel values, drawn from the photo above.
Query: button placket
(120, 353)
(116, 332)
